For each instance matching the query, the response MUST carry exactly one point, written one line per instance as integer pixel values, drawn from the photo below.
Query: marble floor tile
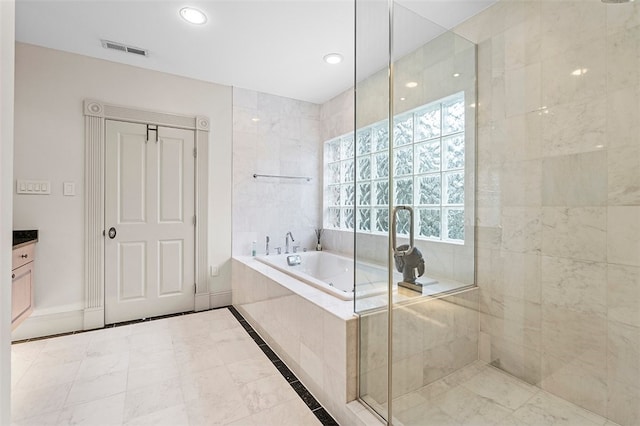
(97, 387)
(172, 416)
(150, 399)
(34, 402)
(266, 393)
(174, 375)
(104, 412)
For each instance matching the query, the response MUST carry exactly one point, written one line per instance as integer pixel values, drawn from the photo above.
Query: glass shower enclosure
(414, 161)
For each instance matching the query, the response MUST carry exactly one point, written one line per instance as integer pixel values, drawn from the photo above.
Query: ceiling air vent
(124, 48)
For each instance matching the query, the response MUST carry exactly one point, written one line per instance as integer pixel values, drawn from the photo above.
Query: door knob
(112, 232)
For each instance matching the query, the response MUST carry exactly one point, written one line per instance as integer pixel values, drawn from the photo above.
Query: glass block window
(427, 160)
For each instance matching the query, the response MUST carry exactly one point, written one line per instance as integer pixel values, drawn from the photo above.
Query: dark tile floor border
(313, 404)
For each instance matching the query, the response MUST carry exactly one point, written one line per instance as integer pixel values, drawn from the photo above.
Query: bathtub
(330, 273)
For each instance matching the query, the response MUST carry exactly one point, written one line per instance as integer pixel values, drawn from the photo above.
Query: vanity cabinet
(22, 283)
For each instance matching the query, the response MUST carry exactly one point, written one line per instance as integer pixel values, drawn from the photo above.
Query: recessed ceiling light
(403, 99)
(193, 16)
(456, 74)
(579, 72)
(255, 119)
(411, 84)
(332, 58)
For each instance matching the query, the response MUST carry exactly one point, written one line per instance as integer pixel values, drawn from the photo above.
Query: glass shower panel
(435, 329)
(372, 195)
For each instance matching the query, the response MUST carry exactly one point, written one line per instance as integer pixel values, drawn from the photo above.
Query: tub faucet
(286, 241)
(267, 247)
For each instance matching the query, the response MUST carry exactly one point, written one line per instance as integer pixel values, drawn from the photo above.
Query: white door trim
(95, 114)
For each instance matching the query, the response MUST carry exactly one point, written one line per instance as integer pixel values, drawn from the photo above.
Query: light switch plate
(69, 189)
(33, 187)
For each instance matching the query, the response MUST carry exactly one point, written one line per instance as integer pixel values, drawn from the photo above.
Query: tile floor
(197, 369)
(480, 394)
(205, 369)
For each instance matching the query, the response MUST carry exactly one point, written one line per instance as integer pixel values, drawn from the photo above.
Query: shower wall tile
(521, 229)
(524, 88)
(567, 24)
(568, 227)
(577, 233)
(586, 59)
(622, 403)
(574, 127)
(623, 236)
(623, 294)
(623, 179)
(525, 136)
(521, 272)
(623, 356)
(576, 381)
(623, 108)
(622, 72)
(575, 180)
(574, 335)
(523, 187)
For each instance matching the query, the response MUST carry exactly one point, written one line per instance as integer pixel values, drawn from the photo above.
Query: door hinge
(194, 220)
(195, 152)
(195, 288)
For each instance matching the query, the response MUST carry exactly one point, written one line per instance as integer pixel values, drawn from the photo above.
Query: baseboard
(201, 302)
(220, 299)
(93, 318)
(49, 324)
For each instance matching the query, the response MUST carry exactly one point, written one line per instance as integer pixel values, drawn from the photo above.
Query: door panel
(150, 262)
(132, 277)
(171, 172)
(132, 178)
(171, 263)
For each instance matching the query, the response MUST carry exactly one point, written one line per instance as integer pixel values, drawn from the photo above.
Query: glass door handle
(394, 230)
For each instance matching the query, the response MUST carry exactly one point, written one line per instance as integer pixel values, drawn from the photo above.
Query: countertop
(23, 237)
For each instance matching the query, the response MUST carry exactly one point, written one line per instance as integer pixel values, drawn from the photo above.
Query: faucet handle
(295, 249)
(279, 250)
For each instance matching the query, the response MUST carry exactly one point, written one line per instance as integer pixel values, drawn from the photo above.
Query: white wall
(7, 21)
(49, 133)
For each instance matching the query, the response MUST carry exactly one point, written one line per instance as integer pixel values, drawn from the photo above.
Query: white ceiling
(270, 46)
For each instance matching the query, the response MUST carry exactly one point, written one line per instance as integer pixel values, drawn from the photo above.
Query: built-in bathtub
(334, 274)
(313, 328)
(330, 272)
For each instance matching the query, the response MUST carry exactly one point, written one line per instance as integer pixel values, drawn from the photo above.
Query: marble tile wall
(558, 198)
(276, 136)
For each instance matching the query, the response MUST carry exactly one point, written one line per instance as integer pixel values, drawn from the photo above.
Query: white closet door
(149, 221)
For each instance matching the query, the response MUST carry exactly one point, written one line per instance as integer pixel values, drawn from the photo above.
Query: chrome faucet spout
(286, 241)
(267, 247)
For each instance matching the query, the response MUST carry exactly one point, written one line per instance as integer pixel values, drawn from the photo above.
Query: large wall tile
(623, 235)
(576, 381)
(623, 294)
(574, 285)
(575, 180)
(521, 229)
(574, 127)
(577, 233)
(624, 180)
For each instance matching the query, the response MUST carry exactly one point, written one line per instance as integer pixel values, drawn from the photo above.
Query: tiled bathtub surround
(313, 332)
(275, 136)
(558, 198)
